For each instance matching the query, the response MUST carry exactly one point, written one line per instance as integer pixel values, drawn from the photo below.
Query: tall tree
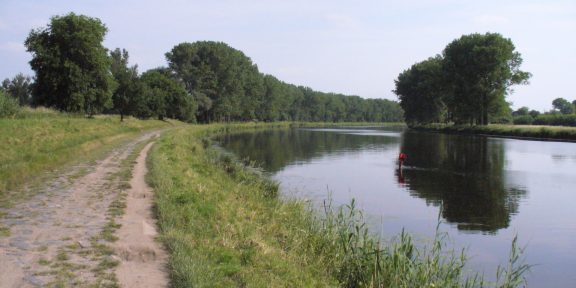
(223, 74)
(166, 97)
(20, 88)
(480, 69)
(71, 65)
(421, 90)
(126, 93)
(562, 105)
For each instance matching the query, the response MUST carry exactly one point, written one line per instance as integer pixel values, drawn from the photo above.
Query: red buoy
(402, 157)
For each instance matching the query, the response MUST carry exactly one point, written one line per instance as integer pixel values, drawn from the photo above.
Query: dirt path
(63, 236)
(142, 259)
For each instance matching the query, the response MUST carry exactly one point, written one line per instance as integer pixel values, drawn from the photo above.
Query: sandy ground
(56, 238)
(142, 258)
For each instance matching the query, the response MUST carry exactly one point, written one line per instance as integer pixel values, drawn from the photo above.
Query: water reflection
(463, 174)
(277, 148)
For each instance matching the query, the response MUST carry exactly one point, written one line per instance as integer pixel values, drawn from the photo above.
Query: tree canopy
(228, 87)
(20, 88)
(205, 81)
(71, 65)
(563, 106)
(128, 90)
(467, 84)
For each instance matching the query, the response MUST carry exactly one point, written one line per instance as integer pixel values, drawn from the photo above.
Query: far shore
(524, 132)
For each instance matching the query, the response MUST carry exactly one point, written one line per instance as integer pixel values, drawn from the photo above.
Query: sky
(349, 47)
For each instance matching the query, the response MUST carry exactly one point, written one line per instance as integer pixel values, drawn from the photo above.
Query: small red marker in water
(401, 159)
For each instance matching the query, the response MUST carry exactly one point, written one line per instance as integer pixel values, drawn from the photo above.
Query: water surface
(490, 189)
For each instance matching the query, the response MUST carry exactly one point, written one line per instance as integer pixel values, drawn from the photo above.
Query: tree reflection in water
(465, 174)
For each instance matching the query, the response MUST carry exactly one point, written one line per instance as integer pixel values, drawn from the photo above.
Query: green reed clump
(361, 260)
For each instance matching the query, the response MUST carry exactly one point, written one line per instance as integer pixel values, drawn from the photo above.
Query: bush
(8, 106)
(556, 120)
(523, 120)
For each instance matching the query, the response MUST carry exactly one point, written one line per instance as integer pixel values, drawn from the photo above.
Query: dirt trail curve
(62, 236)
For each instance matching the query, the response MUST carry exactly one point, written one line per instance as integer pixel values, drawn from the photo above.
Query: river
(485, 190)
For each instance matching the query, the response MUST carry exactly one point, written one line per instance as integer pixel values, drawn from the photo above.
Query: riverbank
(528, 132)
(224, 225)
(43, 140)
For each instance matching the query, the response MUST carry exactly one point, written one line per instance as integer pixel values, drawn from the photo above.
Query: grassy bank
(511, 131)
(224, 226)
(38, 141)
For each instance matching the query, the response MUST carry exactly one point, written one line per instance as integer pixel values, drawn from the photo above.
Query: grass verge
(224, 226)
(533, 132)
(43, 140)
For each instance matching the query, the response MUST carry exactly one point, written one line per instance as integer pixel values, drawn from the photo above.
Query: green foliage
(562, 105)
(71, 65)
(8, 106)
(41, 140)
(421, 90)
(228, 87)
(224, 226)
(479, 69)
(166, 97)
(468, 83)
(537, 132)
(523, 120)
(522, 111)
(20, 87)
(128, 90)
(555, 120)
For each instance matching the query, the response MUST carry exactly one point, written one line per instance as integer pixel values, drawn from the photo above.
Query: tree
(522, 111)
(534, 113)
(166, 97)
(20, 88)
(71, 65)
(480, 69)
(421, 92)
(562, 105)
(126, 93)
(223, 74)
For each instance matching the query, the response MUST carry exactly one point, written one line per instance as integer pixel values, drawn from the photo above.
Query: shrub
(556, 120)
(523, 120)
(8, 106)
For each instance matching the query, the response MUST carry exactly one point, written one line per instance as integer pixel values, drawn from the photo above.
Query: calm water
(490, 188)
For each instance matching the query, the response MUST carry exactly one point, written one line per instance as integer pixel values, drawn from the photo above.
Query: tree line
(466, 84)
(203, 82)
(563, 113)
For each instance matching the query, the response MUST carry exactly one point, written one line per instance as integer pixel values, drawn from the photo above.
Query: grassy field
(225, 226)
(38, 141)
(513, 131)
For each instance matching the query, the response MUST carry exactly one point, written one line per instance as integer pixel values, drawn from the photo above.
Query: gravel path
(62, 236)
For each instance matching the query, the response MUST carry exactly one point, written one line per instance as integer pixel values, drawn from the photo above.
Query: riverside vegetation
(224, 225)
(34, 141)
(520, 131)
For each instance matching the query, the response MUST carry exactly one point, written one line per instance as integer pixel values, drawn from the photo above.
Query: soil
(63, 236)
(142, 258)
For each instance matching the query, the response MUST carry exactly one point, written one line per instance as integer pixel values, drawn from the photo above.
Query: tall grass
(40, 140)
(225, 226)
(8, 106)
